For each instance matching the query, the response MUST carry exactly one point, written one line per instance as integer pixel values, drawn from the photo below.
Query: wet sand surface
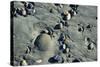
(27, 29)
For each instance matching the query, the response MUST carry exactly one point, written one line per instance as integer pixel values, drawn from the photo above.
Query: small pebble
(38, 61)
(24, 63)
(91, 46)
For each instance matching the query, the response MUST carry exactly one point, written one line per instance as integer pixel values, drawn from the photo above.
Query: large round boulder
(43, 42)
